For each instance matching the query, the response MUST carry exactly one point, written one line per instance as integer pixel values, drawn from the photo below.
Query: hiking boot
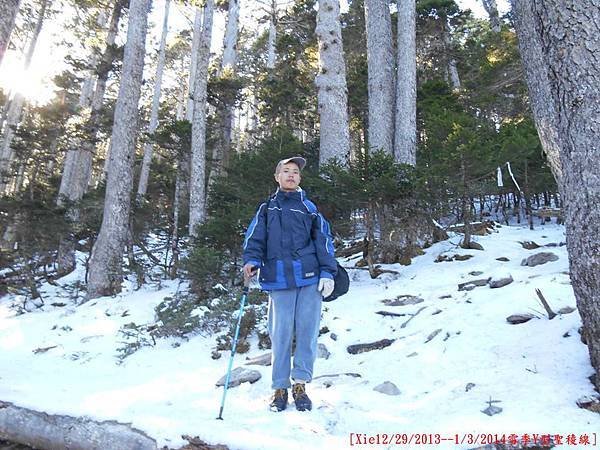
(279, 400)
(302, 401)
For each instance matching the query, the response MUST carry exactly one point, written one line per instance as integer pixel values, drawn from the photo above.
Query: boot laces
(299, 390)
(279, 393)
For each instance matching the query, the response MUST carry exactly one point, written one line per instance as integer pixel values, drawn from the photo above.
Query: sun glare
(34, 84)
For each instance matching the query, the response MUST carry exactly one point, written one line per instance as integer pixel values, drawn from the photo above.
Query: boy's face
(288, 177)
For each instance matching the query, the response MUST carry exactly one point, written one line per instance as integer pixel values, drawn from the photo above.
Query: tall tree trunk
(406, 85)
(231, 36)
(13, 117)
(10, 9)
(5, 109)
(87, 89)
(78, 162)
(331, 85)
(452, 70)
(538, 83)
(16, 106)
(271, 55)
(148, 146)
(222, 149)
(105, 276)
(380, 60)
(197, 36)
(492, 9)
(570, 38)
(198, 164)
(85, 101)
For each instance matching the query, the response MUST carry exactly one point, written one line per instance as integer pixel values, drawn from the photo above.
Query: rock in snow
(361, 348)
(516, 319)
(240, 375)
(322, 351)
(404, 300)
(501, 281)
(387, 388)
(262, 360)
(539, 259)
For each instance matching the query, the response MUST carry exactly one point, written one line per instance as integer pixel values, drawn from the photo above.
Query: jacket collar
(298, 194)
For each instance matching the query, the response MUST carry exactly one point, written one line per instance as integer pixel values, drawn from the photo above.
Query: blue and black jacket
(290, 242)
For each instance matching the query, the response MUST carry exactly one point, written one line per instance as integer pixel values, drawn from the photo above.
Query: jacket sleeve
(255, 242)
(324, 245)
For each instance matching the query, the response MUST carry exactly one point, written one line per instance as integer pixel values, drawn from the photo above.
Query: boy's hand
(249, 270)
(326, 286)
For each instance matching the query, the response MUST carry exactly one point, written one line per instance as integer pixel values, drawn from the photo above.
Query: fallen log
(57, 432)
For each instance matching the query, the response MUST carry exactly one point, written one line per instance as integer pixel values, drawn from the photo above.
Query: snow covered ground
(536, 370)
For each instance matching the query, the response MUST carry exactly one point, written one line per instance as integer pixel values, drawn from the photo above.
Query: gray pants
(294, 312)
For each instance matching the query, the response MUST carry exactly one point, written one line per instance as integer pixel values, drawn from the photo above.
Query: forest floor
(453, 372)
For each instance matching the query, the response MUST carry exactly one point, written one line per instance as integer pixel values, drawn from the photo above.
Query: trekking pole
(235, 338)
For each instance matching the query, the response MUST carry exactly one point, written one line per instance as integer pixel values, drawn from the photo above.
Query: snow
(536, 370)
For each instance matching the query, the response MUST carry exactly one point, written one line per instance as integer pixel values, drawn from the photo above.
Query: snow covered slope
(452, 353)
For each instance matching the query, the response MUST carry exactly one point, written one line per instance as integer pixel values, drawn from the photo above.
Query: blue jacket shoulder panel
(254, 241)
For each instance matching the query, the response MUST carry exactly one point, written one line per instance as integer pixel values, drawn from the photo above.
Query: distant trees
(312, 82)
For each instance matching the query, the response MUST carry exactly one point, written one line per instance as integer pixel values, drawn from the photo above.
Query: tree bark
(231, 36)
(380, 61)
(198, 164)
(16, 106)
(10, 9)
(570, 39)
(105, 276)
(148, 146)
(331, 85)
(538, 84)
(406, 86)
(492, 9)
(197, 36)
(271, 55)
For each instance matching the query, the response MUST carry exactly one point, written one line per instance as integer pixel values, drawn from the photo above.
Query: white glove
(326, 286)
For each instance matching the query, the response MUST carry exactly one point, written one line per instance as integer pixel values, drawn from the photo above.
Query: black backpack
(341, 279)
(341, 286)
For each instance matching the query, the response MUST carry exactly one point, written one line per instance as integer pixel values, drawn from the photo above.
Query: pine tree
(198, 161)
(10, 10)
(105, 275)
(331, 85)
(148, 150)
(380, 59)
(405, 150)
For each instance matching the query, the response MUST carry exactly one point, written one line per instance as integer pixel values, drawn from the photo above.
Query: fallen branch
(551, 314)
(379, 271)
(412, 317)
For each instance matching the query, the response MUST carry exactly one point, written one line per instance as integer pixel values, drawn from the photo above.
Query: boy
(289, 242)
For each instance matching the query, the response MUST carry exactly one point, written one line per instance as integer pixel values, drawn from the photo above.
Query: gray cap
(299, 160)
